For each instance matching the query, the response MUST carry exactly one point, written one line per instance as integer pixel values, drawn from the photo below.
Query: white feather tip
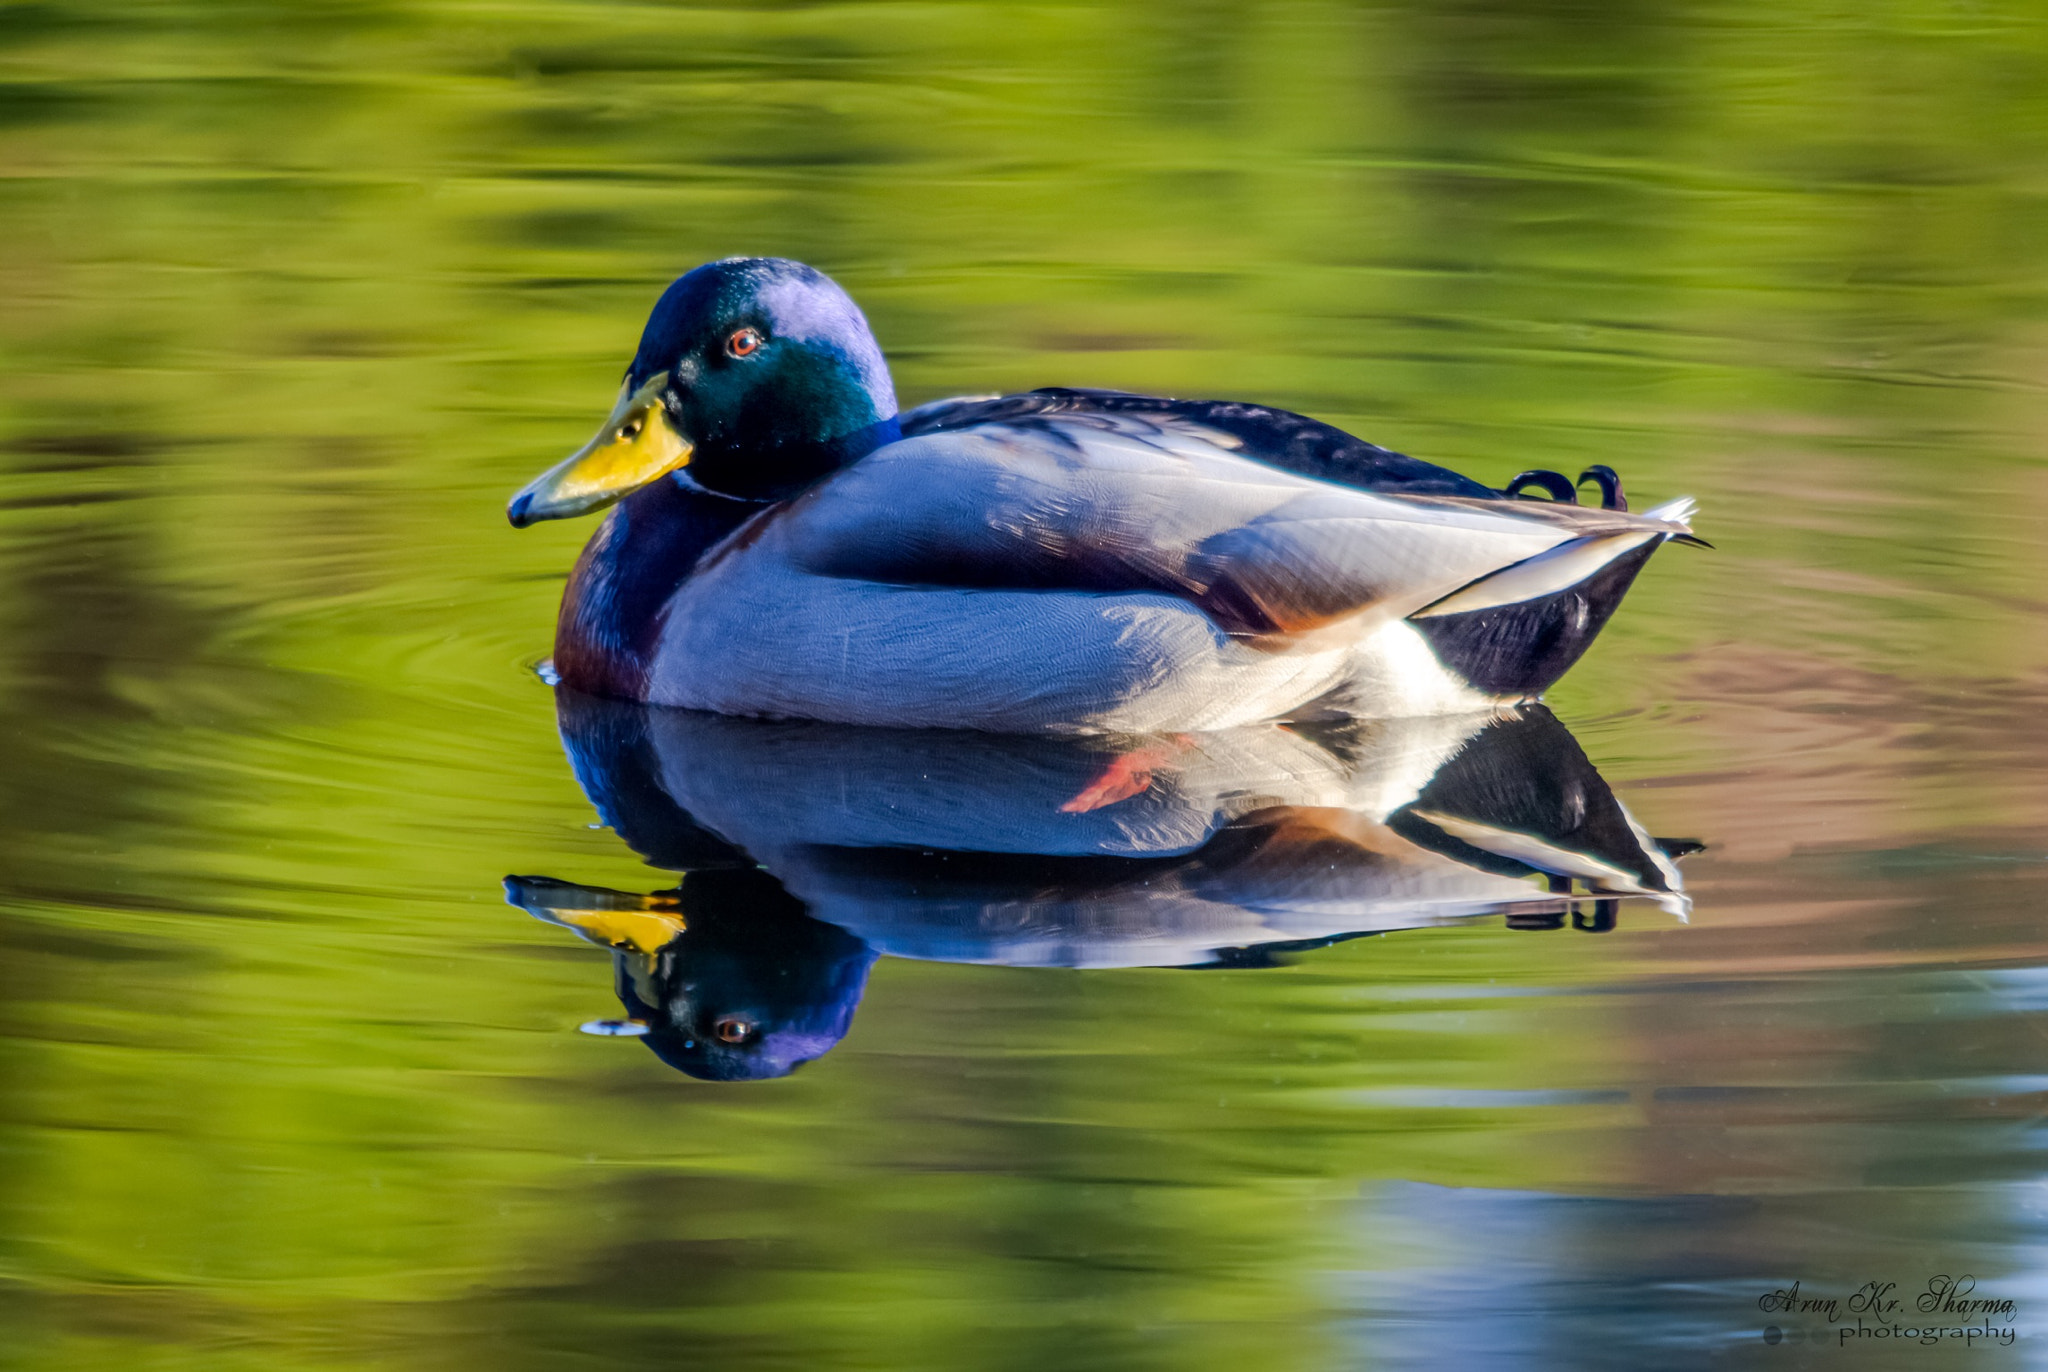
(1679, 511)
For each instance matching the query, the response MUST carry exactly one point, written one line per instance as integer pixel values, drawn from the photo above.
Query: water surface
(297, 294)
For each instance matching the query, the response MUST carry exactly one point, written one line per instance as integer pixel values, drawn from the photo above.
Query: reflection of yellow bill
(635, 445)
(625, 920)
(639, 931)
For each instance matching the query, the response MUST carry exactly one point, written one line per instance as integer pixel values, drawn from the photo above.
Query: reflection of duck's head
(725, 978)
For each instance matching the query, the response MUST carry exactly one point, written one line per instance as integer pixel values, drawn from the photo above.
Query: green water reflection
(295, 295)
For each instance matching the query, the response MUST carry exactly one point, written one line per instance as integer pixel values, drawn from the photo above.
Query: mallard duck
(782, 542)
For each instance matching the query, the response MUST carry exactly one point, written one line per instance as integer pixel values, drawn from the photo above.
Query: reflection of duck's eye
(733, 1029)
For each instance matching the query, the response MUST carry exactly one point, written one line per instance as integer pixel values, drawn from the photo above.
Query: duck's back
(1278, 438)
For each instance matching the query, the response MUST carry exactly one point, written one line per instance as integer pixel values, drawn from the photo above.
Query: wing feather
(1121, 503)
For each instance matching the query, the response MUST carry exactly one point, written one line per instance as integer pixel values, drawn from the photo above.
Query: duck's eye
(743, 342)
(733, 1029)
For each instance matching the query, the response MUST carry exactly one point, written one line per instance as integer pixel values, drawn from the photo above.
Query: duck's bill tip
(636, 445)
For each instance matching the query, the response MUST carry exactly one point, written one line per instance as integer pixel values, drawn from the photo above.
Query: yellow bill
(635, 445)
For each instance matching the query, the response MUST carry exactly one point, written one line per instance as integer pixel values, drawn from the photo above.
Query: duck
(781, 541)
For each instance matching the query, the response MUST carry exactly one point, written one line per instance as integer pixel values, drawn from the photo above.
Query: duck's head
(756, 374)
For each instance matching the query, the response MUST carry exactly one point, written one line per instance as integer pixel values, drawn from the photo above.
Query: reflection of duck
(1054, 561)
(1169, 850)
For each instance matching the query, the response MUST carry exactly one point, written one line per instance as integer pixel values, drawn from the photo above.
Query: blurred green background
(295, 295)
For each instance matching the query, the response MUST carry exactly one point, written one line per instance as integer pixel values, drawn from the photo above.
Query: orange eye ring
(733, 1029)
(743, 343)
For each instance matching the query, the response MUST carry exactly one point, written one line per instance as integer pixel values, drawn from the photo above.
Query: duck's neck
(611, 610)
(752, 469)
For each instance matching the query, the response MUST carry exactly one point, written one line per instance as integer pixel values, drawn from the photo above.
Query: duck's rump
(1100, 569)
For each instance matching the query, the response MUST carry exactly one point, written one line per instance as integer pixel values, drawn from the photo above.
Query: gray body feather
(1104, 573)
